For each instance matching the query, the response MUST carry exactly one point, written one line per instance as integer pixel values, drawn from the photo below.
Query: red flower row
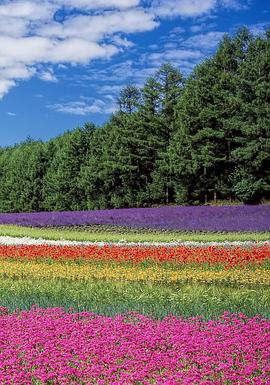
(229, 257)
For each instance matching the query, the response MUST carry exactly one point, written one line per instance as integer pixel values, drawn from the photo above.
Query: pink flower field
(63, 348)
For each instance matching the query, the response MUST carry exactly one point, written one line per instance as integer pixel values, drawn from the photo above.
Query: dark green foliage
(221, 148)
(176, 140)
(252, 154)
(169, 84)
(129, 99)
(61, 183)
(21, 177)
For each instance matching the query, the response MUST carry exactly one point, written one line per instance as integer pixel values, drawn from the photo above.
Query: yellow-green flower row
(107, 271)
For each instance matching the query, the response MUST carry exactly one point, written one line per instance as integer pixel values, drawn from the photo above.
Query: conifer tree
(169, 85)
(251, 179)
(61, 182)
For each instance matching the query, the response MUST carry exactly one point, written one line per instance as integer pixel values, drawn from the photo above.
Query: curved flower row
(52, 346)
(86, 271)
(186, 218)
(228, 257)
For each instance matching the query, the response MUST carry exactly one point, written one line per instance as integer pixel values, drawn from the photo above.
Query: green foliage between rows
(107, 236)
(175, 140)
(110, 298)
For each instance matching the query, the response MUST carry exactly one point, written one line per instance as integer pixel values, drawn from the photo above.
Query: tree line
(176, 140)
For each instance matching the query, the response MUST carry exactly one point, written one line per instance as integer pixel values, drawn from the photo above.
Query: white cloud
(93, 4)
(171, 45)
(11, 113)
(202, 27)
(96, 27)
(184, 8)
(123, 73)
(5, 85)
(184, 54)
(30, 10)
(47, 76)
(194, 8)
(18, 72)
(122, 42)
(113, 89)
(174, 55)
(83, 108)
(235, 4)
(177, 30)
(12, 26)
(205, 41)
(259, 28)
(30, 38)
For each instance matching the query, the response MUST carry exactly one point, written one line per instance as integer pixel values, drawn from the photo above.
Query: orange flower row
(229, 257)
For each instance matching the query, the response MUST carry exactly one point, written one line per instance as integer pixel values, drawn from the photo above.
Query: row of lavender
(180, 218)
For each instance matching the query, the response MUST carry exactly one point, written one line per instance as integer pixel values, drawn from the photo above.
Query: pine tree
(129, 99)
(206, 115)
(168, 84)
(61, 182)
(23, 168)
(252, 155)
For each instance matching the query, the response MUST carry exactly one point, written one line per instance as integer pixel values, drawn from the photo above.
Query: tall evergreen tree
(206, 116)
(251, 179)
(129, 99)
(94, 178)
(169, 84)
(23, 168)
(61, 182)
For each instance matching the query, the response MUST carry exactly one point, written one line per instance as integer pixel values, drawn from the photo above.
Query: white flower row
(6, 240)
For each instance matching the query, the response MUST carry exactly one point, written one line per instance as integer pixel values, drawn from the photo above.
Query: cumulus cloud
(95, 27)
(5, 85)
(31, 37)
(29, 10)
(54, 34)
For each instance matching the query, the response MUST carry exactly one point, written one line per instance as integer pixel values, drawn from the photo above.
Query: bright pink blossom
(60, 348)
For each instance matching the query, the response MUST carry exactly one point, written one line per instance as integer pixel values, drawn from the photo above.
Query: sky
(63, 63)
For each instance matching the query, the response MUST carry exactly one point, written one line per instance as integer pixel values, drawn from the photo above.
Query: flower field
(192, 218)
(149, 312)
(56, 347)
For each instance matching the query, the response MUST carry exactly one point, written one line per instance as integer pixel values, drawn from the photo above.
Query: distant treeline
(176, 140)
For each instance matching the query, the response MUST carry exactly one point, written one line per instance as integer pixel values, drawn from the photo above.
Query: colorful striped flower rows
(111, 342)
(157, 264)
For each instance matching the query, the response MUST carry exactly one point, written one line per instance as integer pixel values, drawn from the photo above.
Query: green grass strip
(107, 236)
(158, 300)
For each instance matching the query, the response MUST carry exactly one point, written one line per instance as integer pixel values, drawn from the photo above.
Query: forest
(177, 140)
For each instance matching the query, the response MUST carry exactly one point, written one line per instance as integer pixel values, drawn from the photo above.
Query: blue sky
(62, 63)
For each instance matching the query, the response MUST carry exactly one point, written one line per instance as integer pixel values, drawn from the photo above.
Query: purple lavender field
(183, 218)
